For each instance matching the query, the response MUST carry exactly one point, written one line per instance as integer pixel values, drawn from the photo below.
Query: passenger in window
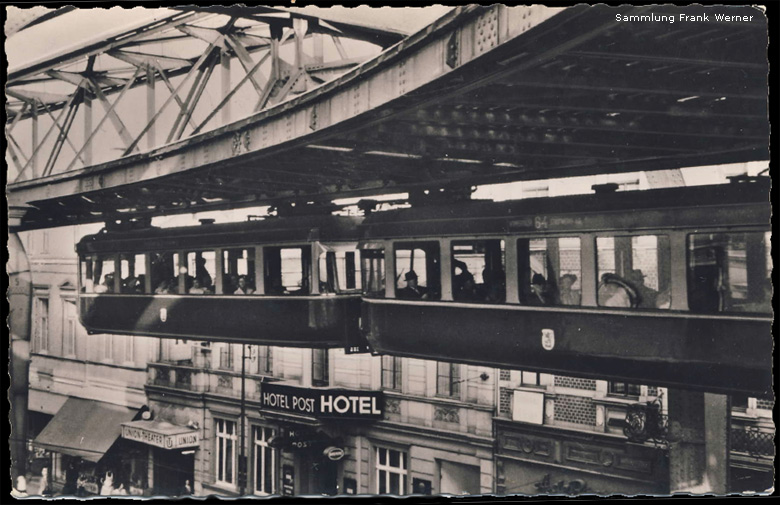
(167, 286)
(567, 295)
(539, 291)
(140, 285)
(197, 288)
(201, 273)
(467, 289)
(647, 297)
(494, 286)
(107, 286)
(460, 278)
(129, 284)
(231, 283)
(243, 287)
(274, 287)
(615, 292)
(704, 294)
(412, 291)
(765, 303)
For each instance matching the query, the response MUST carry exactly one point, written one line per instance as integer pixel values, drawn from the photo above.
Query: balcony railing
(753, 440)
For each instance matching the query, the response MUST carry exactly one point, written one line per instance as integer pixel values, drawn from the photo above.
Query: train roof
(745, 203)
(277, 230)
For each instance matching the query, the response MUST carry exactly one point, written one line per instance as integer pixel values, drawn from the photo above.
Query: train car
(665, 287)
(288, 281)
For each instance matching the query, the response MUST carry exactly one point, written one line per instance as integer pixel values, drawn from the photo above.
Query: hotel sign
(166, 441)
(323, 403)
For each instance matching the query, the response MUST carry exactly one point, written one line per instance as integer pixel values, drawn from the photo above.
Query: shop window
(417, 270)
(287, 270)
(739, 403)
(373, 272)
(264, 462)
(238, 271)
(391, 471)
(339, 271)
(391, 372)
(626, 389)
(225, 456)
(319, 367)
(165, 273)
(634, 271)
(265, 359)
(41, 328)
(132, 273)
(549, 271)
(478, 272)
(448, 379)
(201, 270)
(730, 272)
(69, 327)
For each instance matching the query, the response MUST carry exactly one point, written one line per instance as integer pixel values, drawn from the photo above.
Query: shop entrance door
(171, 470)
(323, 475)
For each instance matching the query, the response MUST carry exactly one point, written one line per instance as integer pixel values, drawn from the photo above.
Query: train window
(133, 273)
(86, 273)
(339, 271)
(549, 271)
(164, 273)
(634, 271)
(730, 272)
(417, 270)
(103, 274)
(201, 270)
(373, 272)
(238, 271)
(478, 272)
(287, 270)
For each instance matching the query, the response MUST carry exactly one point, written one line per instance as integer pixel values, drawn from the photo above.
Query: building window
(41, 333)
(129, 349)
(226, 357)
(265, 462)
(319, 367)
(530, 379)
(225, 456)
(623, 389)
(265, 360)
(45, 242)
(108, 348)
(391, 372)
(448, 379)
(69, 322)
(390, 471)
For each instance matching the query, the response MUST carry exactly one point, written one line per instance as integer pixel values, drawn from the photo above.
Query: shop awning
(84, 428)
(161, 434)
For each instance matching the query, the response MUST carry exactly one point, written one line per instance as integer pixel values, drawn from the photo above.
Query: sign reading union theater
(323, 403)
(164, 440)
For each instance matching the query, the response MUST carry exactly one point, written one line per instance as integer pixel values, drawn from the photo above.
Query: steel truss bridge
(482, 95)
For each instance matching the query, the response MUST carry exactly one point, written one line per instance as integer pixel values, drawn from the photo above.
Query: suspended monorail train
(669, 287)
(280, 281)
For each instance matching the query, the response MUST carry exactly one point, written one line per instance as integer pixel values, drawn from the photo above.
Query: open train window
(201, 271)
(133, 273)
(549, 271)
(165, 272)
(287, 270)
(634, 271)
(730, 272)
(478, 272)
(238, 271)
(417, 271)
(373, 271)
(103, 272)
(339, 269)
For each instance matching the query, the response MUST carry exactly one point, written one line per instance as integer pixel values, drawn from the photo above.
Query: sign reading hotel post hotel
(166, 441)
(323, 403)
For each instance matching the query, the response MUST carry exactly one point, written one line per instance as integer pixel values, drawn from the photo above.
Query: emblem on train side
(163, 314)
(548, 339)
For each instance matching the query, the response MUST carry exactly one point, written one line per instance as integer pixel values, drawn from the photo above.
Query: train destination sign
(323, 403)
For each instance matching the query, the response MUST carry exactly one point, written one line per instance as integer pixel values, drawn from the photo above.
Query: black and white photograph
(483, 250)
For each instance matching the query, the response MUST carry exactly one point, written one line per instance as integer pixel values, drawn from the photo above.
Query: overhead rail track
(483, 95)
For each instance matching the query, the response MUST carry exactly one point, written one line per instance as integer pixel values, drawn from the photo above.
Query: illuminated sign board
(323, 403)
(149, 437)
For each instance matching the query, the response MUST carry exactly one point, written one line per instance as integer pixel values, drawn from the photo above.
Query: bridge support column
(699, 450)
(20, 304)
